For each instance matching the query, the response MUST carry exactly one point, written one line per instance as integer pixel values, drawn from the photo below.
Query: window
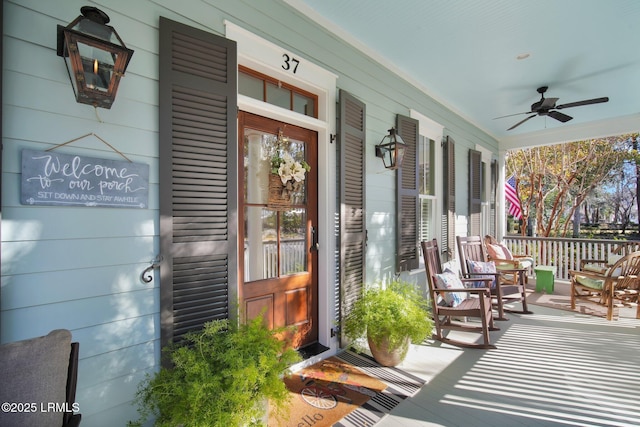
(259, 86)
(431, 219)
(482, 192)
(427, 195)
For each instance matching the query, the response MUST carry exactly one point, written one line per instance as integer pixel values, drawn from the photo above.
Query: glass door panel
(293, 250)
(275, 243)
(260, 244)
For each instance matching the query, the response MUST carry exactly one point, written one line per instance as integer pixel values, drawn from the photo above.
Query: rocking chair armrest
(465, 290)
(479, 291)
(511, 270)
(452, 290)
(471, 279)
(487, 280)
(589, 274)
(507, 262)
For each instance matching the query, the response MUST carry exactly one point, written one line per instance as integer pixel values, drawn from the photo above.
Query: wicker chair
(608, 285)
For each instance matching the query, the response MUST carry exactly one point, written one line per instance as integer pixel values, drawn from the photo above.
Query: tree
(596, 206)
(622, 197)
(634, 140)
(553, 181)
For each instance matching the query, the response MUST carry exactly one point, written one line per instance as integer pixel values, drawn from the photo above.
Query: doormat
(325, 392)
(346, 390)
(400, 385)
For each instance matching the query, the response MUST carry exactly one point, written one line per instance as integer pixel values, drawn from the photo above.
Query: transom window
(260, 86)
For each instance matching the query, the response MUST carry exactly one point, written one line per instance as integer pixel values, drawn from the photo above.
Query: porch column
(501, 216)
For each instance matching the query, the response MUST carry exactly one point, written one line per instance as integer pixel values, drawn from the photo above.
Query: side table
(545, 275)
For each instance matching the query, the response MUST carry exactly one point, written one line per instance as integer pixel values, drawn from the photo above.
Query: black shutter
(475, 192)
(493, 197)
(198, 178)
(352, 168)
(449, 214)
(407, 197)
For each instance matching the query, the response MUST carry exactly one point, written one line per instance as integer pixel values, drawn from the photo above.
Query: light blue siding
(79, 268)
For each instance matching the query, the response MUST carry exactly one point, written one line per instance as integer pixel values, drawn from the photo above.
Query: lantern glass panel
(400, 150)
(97, 65)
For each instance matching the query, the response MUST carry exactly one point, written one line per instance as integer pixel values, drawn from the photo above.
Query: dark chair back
(470, 248)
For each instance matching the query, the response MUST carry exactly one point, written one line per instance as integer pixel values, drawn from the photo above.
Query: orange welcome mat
(345, 390)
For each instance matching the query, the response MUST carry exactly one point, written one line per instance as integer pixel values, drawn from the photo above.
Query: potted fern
(390, 317)
(220, 376)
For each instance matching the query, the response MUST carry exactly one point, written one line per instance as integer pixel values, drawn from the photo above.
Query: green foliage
(553, 181)
(396, 311)
(219, 377)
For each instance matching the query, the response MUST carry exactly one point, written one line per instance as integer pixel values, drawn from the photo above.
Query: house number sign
(57, 179)
(290, 63)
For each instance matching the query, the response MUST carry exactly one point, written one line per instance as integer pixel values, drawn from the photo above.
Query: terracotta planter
(389, 356)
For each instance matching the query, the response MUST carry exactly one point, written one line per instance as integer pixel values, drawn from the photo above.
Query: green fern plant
(218, 377)
(394, 312)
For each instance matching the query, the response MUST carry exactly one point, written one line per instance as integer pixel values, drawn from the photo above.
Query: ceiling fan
(548, 107)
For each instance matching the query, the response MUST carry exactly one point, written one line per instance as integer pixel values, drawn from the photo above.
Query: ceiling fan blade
(585, 102)
(559, 116)
(547, 103)
(511, 115)
(522, 121)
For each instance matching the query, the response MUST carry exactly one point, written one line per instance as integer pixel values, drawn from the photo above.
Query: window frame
(431, 196)
(433, 130)
(280, 84)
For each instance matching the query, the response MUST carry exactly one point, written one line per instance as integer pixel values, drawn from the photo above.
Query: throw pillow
(476, 268)
(507, 252)
(495, 251)
(450, 280)
(613, 258)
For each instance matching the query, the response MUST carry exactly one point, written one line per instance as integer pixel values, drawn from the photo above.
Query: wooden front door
(278, 246)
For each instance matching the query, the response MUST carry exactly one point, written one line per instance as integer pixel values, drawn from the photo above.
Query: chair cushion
(450, 280)
(35, 370)
(596, 268)
(479, 267)
(603, 270)
(525, 262)
(590, 283)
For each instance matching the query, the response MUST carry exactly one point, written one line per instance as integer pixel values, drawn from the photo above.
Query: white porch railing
(292, 258)
(566, 253)
(563, 253)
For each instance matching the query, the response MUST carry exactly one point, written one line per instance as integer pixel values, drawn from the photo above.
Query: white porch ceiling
(464, 54)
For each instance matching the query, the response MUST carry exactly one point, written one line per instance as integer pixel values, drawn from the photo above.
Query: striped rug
(400, 385)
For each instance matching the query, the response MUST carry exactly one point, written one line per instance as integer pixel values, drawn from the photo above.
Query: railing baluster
(564, 253)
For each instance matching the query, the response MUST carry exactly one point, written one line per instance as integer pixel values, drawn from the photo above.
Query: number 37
(289, 63)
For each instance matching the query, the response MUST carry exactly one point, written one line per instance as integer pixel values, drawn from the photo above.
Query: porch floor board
(551, 368)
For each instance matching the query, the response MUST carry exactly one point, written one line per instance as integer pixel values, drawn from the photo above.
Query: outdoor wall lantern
(95, 56)
(391, 149)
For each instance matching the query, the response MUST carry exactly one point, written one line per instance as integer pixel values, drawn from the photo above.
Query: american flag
(512, 196)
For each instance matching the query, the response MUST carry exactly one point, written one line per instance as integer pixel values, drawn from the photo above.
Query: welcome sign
(56, 179)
